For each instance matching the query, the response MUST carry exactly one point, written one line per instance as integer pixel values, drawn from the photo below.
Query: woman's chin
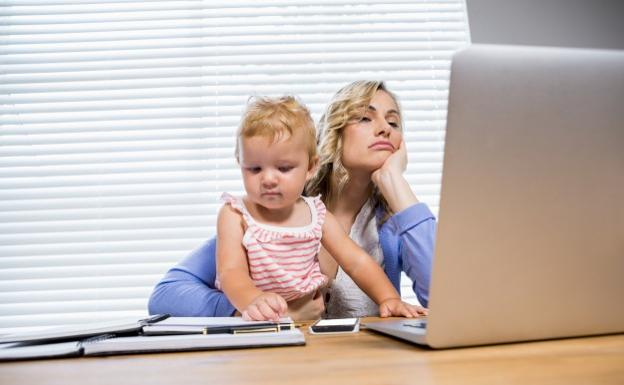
(369, 167)
(376, 162)
(370, 163)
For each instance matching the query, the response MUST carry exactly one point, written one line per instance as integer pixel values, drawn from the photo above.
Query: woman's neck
(352, 198)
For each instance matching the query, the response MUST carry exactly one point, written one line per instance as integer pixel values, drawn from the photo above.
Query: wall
(566, 23)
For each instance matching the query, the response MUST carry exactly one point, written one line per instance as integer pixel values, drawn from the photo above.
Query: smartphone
(337, 325)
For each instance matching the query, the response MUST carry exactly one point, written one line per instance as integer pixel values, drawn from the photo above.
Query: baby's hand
(266, 307)
(396, 307)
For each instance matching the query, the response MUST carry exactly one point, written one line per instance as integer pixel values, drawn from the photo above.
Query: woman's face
(368, 143)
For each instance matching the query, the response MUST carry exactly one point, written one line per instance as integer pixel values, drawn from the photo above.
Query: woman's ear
(312, 167)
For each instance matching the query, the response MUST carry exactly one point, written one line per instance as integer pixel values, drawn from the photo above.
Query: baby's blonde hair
(275, 117)
(348, 105)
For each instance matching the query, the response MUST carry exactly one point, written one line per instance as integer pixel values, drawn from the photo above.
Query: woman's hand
(391, 183)
(396, 163)
(396, 307)
(266, 307)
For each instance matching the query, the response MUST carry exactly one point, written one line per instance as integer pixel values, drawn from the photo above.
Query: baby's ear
(312, 167)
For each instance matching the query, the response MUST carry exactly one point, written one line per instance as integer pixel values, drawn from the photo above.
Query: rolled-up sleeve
(188, 289)
(416, 231)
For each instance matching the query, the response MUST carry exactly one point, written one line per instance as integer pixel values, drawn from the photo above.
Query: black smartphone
(336, 325)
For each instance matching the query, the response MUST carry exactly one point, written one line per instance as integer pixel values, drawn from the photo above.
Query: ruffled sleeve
(238, 205)
(320, 215)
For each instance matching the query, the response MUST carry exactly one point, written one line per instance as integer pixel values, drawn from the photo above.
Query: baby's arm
(367, 274)
(233, 272)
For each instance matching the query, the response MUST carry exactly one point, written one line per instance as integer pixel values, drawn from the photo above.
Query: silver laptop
(530, 241)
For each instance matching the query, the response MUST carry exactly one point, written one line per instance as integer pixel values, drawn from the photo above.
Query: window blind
(118, 121)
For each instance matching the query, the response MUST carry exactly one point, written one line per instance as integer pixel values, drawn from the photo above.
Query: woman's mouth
(382, 145)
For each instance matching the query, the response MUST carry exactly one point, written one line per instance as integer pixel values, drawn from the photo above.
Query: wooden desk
(362, 358)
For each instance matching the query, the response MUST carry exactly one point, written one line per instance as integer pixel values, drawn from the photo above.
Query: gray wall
(565, 23)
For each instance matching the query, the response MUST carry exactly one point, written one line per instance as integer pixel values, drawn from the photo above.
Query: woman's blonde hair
(347, 106)
(275, 117)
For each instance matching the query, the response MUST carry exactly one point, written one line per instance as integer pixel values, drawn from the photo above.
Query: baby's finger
(267, 312)
(278, 304)
(405, 310)
(252, 314)
(384, 311)
(414, 310)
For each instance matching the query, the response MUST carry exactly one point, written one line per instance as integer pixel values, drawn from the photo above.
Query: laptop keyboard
(420, 324)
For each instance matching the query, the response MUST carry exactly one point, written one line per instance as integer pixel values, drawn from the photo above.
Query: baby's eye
(285, 168)
(253, 170)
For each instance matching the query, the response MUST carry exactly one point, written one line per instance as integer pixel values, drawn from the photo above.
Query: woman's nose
(382, 128)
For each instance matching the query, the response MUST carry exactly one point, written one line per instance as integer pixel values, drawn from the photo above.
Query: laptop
(530, 239)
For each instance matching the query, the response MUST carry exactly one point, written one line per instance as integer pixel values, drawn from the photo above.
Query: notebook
(110, 345)
(530, 237)
(253, 335)
(214, 325)
(82, 331)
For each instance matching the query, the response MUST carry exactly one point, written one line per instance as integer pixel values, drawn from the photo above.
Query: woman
(360, 179)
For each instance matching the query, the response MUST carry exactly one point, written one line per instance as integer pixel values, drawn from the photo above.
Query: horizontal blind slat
(117, 122)
(17, 323)
(96, 258)
(233, 9)
(74, 295)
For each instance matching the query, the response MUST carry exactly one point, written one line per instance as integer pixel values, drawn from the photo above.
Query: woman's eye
(394, 124)
(365, 119)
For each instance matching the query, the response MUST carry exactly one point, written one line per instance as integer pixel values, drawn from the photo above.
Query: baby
(268, 240)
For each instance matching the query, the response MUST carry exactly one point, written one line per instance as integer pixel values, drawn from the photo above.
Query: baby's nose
(269, 178)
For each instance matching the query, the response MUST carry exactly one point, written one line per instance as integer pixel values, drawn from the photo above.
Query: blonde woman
(360, 179)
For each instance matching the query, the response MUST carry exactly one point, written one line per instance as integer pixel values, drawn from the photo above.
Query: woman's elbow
(155, 302)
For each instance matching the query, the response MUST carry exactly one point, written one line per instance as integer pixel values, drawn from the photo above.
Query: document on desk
(226, 332)
(81, 331)
(185, 342)
(215, 325)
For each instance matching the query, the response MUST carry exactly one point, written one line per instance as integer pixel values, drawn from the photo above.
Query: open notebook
(109, 343)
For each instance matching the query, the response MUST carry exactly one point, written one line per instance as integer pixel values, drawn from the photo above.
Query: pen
(154, 318)
(251, 328)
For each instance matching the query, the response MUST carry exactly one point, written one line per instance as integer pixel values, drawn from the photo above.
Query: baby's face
(274, 172)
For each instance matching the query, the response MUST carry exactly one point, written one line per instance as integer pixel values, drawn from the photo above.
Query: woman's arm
(409, 235)
(188, 289)
(407, 239)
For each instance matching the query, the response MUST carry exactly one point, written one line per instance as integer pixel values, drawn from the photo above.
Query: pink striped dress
(284, 260)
